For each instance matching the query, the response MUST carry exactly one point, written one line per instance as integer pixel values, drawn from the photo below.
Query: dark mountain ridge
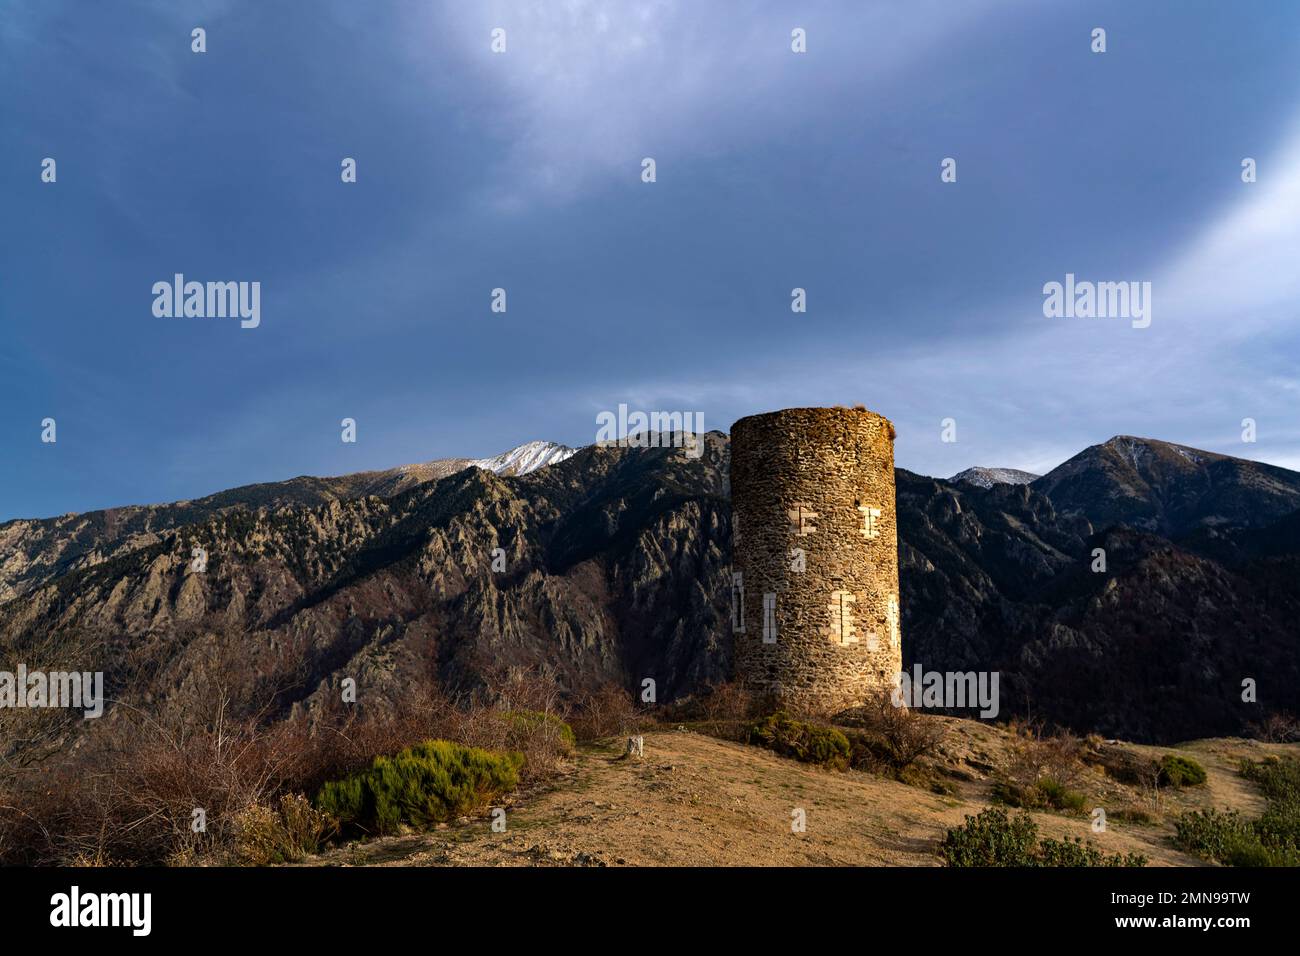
(611, 566)
(1169, 489)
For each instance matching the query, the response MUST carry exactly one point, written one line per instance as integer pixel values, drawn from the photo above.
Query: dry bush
(228, 745)
(887, 736)
(285, 834)
(131, 797)
(609, 711)
(135, 803)
(1279, 728)
(520, 687)
(545, 739)
(724, 710)
(730, 701)
(1037, 754)
(516, 707)
(1045, 769)
(1152, 779)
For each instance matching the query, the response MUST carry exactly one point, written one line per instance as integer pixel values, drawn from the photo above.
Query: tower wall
(815, 568)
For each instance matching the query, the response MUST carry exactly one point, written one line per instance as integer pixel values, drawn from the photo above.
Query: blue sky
(522, 170)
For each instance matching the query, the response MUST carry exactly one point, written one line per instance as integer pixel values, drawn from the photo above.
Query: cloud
(1240, 273)
(1031, 392)
(587, 88)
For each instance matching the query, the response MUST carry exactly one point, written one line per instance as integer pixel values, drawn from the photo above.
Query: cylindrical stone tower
(814, 594)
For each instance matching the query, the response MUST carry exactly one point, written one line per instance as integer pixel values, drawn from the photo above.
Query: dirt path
(698, 801)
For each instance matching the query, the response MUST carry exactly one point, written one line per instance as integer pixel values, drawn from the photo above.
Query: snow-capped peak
(527, 457)
(988, 477)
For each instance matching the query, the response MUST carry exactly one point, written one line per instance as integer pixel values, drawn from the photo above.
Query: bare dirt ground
(694, 800)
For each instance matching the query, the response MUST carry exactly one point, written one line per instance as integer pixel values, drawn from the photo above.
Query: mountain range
(611, 564)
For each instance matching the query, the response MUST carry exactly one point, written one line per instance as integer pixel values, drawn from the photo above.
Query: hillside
(694, 800)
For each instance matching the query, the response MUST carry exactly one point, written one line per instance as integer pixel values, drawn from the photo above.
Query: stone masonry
(815, 615)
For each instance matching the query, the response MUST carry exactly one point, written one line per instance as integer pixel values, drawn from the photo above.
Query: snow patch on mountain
(526, 458)
(988, 477)
(1135, 451)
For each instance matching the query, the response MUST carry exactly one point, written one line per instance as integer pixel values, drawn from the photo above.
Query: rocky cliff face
(612, 565)
(35, 550)
(1155, 647)
(605, 567)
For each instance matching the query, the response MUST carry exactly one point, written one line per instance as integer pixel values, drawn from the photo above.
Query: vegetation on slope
(991, 838)
(1272, 839)
(428, 783)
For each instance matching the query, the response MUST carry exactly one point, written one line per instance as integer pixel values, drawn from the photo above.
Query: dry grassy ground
(697, 800)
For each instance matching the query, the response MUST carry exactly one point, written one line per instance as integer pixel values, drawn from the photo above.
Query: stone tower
(814, 593)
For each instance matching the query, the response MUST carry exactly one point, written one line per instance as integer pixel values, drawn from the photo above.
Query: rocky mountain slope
(604, 567)
(1155, 647)
(611, 565)
(35, 550)
(988, 477)
(1169, 489)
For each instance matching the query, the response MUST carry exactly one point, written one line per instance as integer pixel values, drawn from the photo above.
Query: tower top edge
(858, 414)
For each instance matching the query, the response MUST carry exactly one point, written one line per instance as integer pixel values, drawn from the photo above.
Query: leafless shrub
(522, 687)
(133, 798)
(1278, 728)
(724, 710)
(891, 736)
(1152, 778)
(607, 712)
(285, 834)
(1036, 754)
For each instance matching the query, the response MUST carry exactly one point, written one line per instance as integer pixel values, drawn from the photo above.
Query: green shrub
(991, 839)
(1250, 852)
(994, 839)
(1279, 827)
(1012, 794)
(422, 785)
(1210, 834)
(801, 740)
(826, 746)
(1177, 770)
(1278, 778)
(1229, 839)
(526, 723)
(1046, 792)
(1060, 797)
(1077, 853)
(1133, 814)
(1271, 840)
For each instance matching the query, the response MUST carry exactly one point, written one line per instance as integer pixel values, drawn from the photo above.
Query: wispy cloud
(587, 88)
(1223, 301)
(1241, 273)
